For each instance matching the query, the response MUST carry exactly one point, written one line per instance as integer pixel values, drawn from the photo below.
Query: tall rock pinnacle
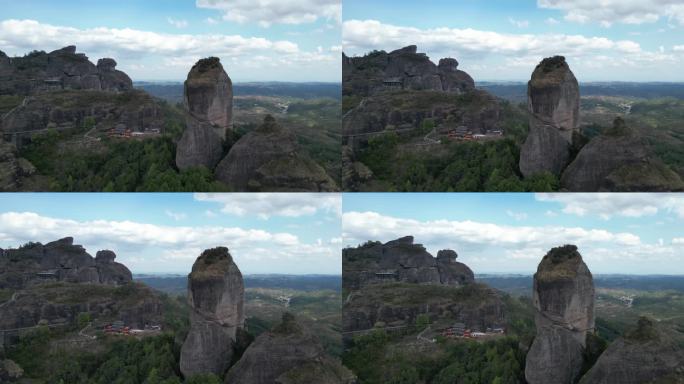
(563, 296)
(553, 103)
(208, 98)
(216, 297)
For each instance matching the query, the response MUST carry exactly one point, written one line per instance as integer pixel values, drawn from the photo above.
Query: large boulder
(401, 260)
(280, 356)
(110, 78)
(208, 94)
(619, 160)
(109, 271)
(267, 159)
(216, 297)
(563, 296)
(553, 103)
(651, 353)
(208, 98)
(401, 69)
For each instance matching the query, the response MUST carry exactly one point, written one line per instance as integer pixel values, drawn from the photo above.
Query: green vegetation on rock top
(559, 263)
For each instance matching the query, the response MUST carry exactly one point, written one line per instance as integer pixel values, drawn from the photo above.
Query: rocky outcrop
(268, 159)
(111, 78)
(135, 110)
(477, 110)
(13, 169)
(553, 103)
(619, 160)
(61, 69)
(651, 353)
(60, 304)
(208, 99)
(402, 69)
(59, 260)
(282, 355)
(401, 260)
(399, 304)
(563, 296)
(216, 298)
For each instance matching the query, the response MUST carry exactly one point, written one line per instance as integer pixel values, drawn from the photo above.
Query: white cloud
(362, 226)
(607, 205)
(550, 213)
(490, 247)
(175, 215)
(177, 23)
(678, 48)
(268, 12)
(360, 36)
(608, 12)
(516, 215)
(211, 21)
(210, 213)
(20, 36)
(265, 205)
(519, 23)
(130, 239)
(551, 21)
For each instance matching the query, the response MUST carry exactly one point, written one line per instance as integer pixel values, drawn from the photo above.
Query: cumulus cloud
(607, 205)
(362, 226)
(268, 12)
(608, 12)
(501, 248)
(126, 44)
(26, 35)
(173, 243)
(360, 36)
(265, 205)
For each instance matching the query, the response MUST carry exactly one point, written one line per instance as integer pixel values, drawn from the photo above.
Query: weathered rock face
(200, 145)
(208, 94)
(59, 260)
(136, 305)
(553, 103)
(276, 356)
(12, 168)
(216, 297)
(208, 97)
(401, 261)
(111, 78)
(267, 159)
(403, 68)
(475, 305)
(563, 296)
(619, 160)
(645, 355)
(134, 109)
(61, 69)
(109, 271)
(478, 110)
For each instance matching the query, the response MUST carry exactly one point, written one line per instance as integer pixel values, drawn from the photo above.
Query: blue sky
(610, 40)
(510, 233)
(282, 40)
(164, 233)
